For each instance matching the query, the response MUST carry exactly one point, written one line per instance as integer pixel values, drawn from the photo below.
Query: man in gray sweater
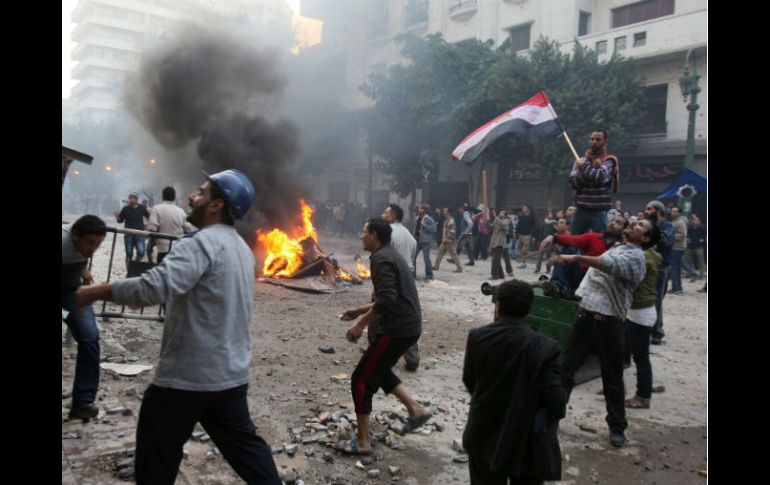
(203, 372)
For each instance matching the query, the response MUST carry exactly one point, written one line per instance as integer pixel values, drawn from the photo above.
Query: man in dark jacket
(517, 402)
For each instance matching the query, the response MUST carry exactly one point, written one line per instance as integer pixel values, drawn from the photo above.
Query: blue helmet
(238, 189)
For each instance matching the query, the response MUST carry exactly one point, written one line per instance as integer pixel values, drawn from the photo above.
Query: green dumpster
(552, 316)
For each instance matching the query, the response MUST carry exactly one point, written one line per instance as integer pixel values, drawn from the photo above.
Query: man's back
(167, 218)
(404, 243)
(208, 281)
(506, 394)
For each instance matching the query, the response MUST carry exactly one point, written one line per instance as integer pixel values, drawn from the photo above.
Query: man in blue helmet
(203, 372)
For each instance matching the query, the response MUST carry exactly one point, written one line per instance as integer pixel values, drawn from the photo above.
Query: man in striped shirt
(592, 177)
(606, 291)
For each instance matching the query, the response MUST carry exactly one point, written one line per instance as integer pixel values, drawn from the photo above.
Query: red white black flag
(533, 119)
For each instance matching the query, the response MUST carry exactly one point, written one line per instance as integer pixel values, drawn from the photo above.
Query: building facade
(360, 36)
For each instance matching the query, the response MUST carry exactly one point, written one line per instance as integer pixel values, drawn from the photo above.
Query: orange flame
(362, 271)
(284, 252)
(344, 275)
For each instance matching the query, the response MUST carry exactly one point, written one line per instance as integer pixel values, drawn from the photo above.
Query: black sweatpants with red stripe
(374, 370)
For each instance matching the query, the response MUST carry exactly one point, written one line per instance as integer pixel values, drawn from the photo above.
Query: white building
(112, 34)
(359, 37)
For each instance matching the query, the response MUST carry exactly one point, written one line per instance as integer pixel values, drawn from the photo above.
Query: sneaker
(656, 341)
(510, 274)
(84, 411)
(411, 367)
(617, 439)
(457, 270)
(522, 266)
(470, 264)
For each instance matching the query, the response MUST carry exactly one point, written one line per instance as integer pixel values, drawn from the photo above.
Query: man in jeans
(656, 211)
(593, 177)
(203, 371)
(606, 293)
(79, 241)
(133, 214)
(680, 246)
(466, 235)
(424, 229)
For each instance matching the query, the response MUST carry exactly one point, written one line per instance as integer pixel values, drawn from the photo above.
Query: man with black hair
(405, 244)
(397, 307)
(133, 215)
(516, 402)
(606, 293)
(168, 218)
(203, 371)
(657, 211)
(79, 242)
(593, 176)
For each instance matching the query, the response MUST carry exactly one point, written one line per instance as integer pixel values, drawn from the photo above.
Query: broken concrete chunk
(326, 349)
(374, 473)
(457, 445)
(460, 459)
(291, 449)
(394, 470)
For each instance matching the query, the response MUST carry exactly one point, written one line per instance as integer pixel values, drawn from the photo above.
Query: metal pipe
(133, 316)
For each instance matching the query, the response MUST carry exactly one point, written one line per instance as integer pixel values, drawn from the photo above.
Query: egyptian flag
(533, 119)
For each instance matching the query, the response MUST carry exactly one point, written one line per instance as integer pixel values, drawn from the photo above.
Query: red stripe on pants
(367, 372)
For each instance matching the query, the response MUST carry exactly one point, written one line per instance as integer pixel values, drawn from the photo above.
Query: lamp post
(688, 83)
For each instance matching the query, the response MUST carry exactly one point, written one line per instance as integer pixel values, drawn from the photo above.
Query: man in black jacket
(516, 402)
(397, 307)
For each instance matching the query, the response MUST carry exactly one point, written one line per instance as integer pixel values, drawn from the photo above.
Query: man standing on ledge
(592, 177)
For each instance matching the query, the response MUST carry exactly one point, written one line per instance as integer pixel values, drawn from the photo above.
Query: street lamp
(688, 83)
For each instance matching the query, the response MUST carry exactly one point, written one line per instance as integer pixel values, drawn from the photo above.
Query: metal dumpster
(552, 316)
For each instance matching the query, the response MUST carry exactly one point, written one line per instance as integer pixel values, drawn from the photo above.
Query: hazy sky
(67, 6)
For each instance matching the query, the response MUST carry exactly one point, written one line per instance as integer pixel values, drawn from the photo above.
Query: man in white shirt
(168, 218)
(406, 245)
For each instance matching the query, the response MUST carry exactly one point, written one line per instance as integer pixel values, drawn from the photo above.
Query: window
(584, 23)
(654, 120)
(416, 11)
(620, 43)
(641, 11)
(601, 47)
(640, 39)
(520, 37)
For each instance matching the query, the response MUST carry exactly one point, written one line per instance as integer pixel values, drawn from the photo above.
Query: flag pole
(484, 188)
(569, 142)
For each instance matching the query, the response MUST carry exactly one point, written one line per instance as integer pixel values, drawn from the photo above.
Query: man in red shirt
(566, 278)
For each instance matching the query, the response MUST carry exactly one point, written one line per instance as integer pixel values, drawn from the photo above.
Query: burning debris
(298, 255)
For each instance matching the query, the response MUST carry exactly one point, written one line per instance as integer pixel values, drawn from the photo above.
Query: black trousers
(482, 475)
(497, 267)
(604, 336)
(374, 370)
(167, 419)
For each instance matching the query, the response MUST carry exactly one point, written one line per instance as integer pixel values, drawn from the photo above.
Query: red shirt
(592, 244)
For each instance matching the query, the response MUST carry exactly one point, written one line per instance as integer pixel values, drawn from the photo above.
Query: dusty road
(292, 384)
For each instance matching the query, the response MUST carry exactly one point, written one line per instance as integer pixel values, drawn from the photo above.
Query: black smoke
(210, 89)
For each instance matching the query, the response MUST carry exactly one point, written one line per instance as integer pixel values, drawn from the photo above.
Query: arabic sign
(643, 172)
(629, 172)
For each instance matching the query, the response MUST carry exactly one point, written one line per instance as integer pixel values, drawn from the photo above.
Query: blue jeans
(82, 324)
(676, 270)
(425, 248)
(586, 220)
(640, 349)
(660, 287)
(131, 242)
(567, 277)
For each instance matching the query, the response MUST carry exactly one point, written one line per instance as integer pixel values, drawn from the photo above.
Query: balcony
(660, 37)
(462, 9)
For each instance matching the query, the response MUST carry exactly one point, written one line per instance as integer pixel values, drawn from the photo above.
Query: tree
(418, 107)
(423, 110)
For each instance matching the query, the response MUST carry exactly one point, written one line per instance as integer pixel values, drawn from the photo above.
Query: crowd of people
(617, 266)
